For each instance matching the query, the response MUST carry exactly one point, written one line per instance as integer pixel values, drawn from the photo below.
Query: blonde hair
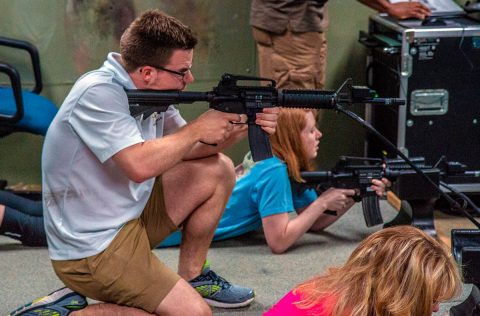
(398, 271)
(287, 143)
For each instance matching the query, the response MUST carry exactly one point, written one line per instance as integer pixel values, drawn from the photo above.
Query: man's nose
(189, 78)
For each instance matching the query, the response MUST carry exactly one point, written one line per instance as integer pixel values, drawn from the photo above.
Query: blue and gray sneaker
(218, 292)
(59, 303)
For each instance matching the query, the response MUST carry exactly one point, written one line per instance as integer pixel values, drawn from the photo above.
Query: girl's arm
(325, 220)
(281, 231)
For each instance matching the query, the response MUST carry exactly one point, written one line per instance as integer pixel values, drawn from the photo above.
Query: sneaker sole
(35, 305)
(228, 305)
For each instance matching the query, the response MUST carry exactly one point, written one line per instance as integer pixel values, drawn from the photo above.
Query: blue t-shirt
(262, 192)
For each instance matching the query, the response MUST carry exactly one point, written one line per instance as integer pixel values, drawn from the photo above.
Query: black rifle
(229, 96)
(357, 173)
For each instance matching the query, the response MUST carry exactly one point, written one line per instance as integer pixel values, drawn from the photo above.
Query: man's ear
(147, 73)
(143, 76)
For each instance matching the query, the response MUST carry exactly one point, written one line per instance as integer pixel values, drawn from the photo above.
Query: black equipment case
(436, 69)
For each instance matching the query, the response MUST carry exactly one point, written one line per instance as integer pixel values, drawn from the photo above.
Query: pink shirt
(286, 306)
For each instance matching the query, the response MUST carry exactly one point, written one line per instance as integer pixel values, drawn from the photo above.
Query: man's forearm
(151, 158)
(201, 150)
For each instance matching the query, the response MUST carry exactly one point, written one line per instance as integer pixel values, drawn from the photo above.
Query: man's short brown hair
(152, 38)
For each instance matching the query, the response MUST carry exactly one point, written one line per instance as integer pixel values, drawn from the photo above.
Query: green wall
(73, 36)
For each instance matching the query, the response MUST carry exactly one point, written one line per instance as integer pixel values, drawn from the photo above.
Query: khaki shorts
(127, 272)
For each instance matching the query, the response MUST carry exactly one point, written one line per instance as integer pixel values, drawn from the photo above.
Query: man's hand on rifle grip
(241, 120)
(215, 127)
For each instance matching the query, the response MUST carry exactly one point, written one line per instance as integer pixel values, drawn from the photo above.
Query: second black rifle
(358, 173)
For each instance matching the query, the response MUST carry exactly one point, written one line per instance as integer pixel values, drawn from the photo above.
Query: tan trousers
(293, 60)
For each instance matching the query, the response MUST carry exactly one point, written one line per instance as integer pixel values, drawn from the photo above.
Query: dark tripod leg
(418, 213)
(422, 215)
(404, 216)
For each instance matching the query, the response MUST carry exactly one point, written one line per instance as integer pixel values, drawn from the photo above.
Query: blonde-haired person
(264, 196)
(397, 271)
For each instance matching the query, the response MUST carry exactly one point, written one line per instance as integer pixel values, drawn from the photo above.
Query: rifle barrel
(316, 177)
(315, 99)
(386, 101)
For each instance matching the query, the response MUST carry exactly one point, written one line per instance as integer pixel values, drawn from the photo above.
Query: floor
(26, 273)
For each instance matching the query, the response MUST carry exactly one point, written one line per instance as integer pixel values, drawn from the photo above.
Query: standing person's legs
(294, 60)
(322, 61)
(265, 52)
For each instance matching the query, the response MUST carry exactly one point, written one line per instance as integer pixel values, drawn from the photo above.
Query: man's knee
(218, 169)
(226, 169)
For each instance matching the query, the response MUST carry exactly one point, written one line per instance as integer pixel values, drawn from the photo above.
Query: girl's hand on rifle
(337, 199)
(268, 119)
(381, 186)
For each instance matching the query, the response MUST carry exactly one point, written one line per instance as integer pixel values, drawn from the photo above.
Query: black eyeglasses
(178, 73)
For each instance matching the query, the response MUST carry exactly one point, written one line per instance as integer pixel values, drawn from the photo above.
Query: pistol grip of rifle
(371, 210)
(258, 140)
